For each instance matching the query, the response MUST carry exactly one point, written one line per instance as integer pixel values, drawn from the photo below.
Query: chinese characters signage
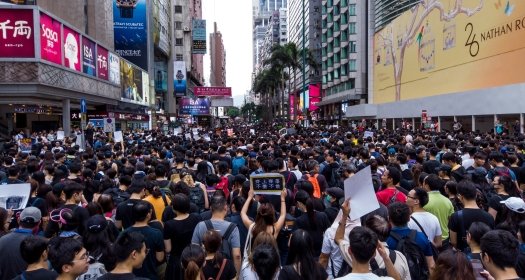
(102, 63)
(268, 183)
(197, 106)
(88, 57)
(50, 39)
(130, 28)
(16, 33)
(212, 91)
(199, 36)
(71, 49)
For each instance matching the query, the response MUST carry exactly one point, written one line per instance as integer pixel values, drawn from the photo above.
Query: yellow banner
(449, 46)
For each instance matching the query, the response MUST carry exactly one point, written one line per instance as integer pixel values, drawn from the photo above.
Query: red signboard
(71, 49)
(212, 91)
(50, 39)
(315, 96)
(102, 63)
(16, 33)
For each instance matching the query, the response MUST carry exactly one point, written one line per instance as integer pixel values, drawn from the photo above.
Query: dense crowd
(180, 205)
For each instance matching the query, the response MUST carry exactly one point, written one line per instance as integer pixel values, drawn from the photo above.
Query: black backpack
(197, 196)
(382, 271)
(226, 248)
(417, 262)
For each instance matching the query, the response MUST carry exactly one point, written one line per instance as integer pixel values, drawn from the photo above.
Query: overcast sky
(234, 21)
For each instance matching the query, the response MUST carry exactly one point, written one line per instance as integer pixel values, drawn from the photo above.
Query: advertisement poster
(315, 96)
(470, 44)
(161, 27)
(114, 68)
(194, 106)
(130, 29)
(198, 36)
(89, 63)
(50, 39)
(102, 63)
(71, 49)
(131, 83)
(145, 87)
(212, 91)
(16, 36)
(161, 76)
(25, 145)
(293, 105)
(179, 79)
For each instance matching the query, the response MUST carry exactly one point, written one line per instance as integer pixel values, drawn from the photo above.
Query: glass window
(352, 65)
(336, 26)
(336, 58)
(351, 9)
(351, 28)
(324, 23)
(344, 36)
(330, 76)
(323, 38)
(336, 10)
(336, 74)
(178, 25)
(337, 43)
(324, 10)
(324, 79)
(344, 18)
(178, 41)
(330, 18)
(344, 53)
(343, 69)
(352, 46)
(179, 57)
(344, 3)
(330, 3)
(178, 9)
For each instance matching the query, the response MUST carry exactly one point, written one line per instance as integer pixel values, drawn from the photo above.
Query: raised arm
(282, 215)
(244, 216)
(340, 233)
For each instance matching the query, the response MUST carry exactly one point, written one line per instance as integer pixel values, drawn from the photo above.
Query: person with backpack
(97, 241)
(231, 245)
(197, 192)
(332, 171)
(34, 251)
(216, 266)
(363, 246)
(238, 161)
(413, 244)
(318, 180)
(420, 219)
(392, 193)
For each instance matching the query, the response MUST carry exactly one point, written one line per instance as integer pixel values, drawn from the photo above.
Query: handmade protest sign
(268, 183)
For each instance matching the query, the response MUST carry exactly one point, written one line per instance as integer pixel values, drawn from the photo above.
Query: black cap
(335, 192)
(96, 223)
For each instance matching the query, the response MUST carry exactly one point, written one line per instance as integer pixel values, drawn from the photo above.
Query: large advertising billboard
(198, 36)
(131, 84)
(315, 96)
(441, 47)
(293, 105)
(130, 28)
(89, 62)
(16, 33)
(102, 63)
(114, 68)
(50, 39)
(71, 49)
(194, 106)
(212, 91)
(179, 79)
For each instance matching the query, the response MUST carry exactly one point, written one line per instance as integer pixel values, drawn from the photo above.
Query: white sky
(234, 21)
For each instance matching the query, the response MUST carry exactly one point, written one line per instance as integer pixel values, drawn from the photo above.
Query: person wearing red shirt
(392, 192)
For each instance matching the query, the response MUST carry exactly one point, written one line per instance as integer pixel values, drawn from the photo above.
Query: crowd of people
(180, 206)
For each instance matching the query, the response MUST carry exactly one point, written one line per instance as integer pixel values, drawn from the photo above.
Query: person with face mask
(331, 201)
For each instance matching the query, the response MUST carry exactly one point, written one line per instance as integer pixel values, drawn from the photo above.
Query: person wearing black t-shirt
(123, 216)
(130, 250)
(34, 252)
(461, 220)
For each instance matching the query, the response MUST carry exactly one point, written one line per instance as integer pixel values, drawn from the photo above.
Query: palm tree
(265, 84)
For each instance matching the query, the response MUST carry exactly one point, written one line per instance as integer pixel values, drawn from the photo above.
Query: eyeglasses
(84, 257)
(412, 197)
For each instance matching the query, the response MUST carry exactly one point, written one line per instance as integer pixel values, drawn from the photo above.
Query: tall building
(218, 59)
(345, 52)
(276, 33)
(304, 25)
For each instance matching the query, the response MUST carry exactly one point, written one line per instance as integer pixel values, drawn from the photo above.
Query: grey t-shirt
(221, 226)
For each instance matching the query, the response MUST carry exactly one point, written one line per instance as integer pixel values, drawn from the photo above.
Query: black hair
(496, 156)
(363, 243)
(477, 230)
(301, 253)
(467, 190)
(399, 213)
(181, 203)
(238, 201)
(126, 243)
(72, 187)
(160, 170)
(502, 247)
(62, 251)
(192, 260)
(140, 210)
(137, 187)
(395, 174)
(422, 196)
(32, 248)
(379, 225)
(217, 202)
(434, 182)
(266, 261)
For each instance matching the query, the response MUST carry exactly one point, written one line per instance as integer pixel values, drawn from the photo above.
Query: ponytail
(311, 213)
(192, 271)
(192, 260)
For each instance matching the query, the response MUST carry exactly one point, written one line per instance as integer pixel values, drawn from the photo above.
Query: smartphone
(478, 268)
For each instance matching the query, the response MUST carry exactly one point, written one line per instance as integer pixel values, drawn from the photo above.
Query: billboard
(71, 49)
(131, 84)
(145, 87)
(102, 63)
(194, 106)
(447, 47)
(293, 105)
(161, 77)
(50, 39)
(16, 33)
(161, 27)
(89, 62)
(179, 78)
(114, 68)
(130, 29)
(315, 96)
(212, 91)
(198, 35)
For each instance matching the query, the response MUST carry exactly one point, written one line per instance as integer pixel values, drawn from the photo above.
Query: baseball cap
(31, 215)
(96, 223)
(336, 192)
(515, 204)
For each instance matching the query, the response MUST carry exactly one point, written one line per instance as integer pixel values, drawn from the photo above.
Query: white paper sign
(177, 131)
(188, 135)
(14, 196)
(118, 136)
(207, 138)
(368, 134)
(60, 135)
(195, 130)
(360, 190)
(109, 124)
(79, 140)
(252, 131)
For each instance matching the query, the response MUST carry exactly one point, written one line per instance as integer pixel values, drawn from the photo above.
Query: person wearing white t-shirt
(362, 248)
(421, 220)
